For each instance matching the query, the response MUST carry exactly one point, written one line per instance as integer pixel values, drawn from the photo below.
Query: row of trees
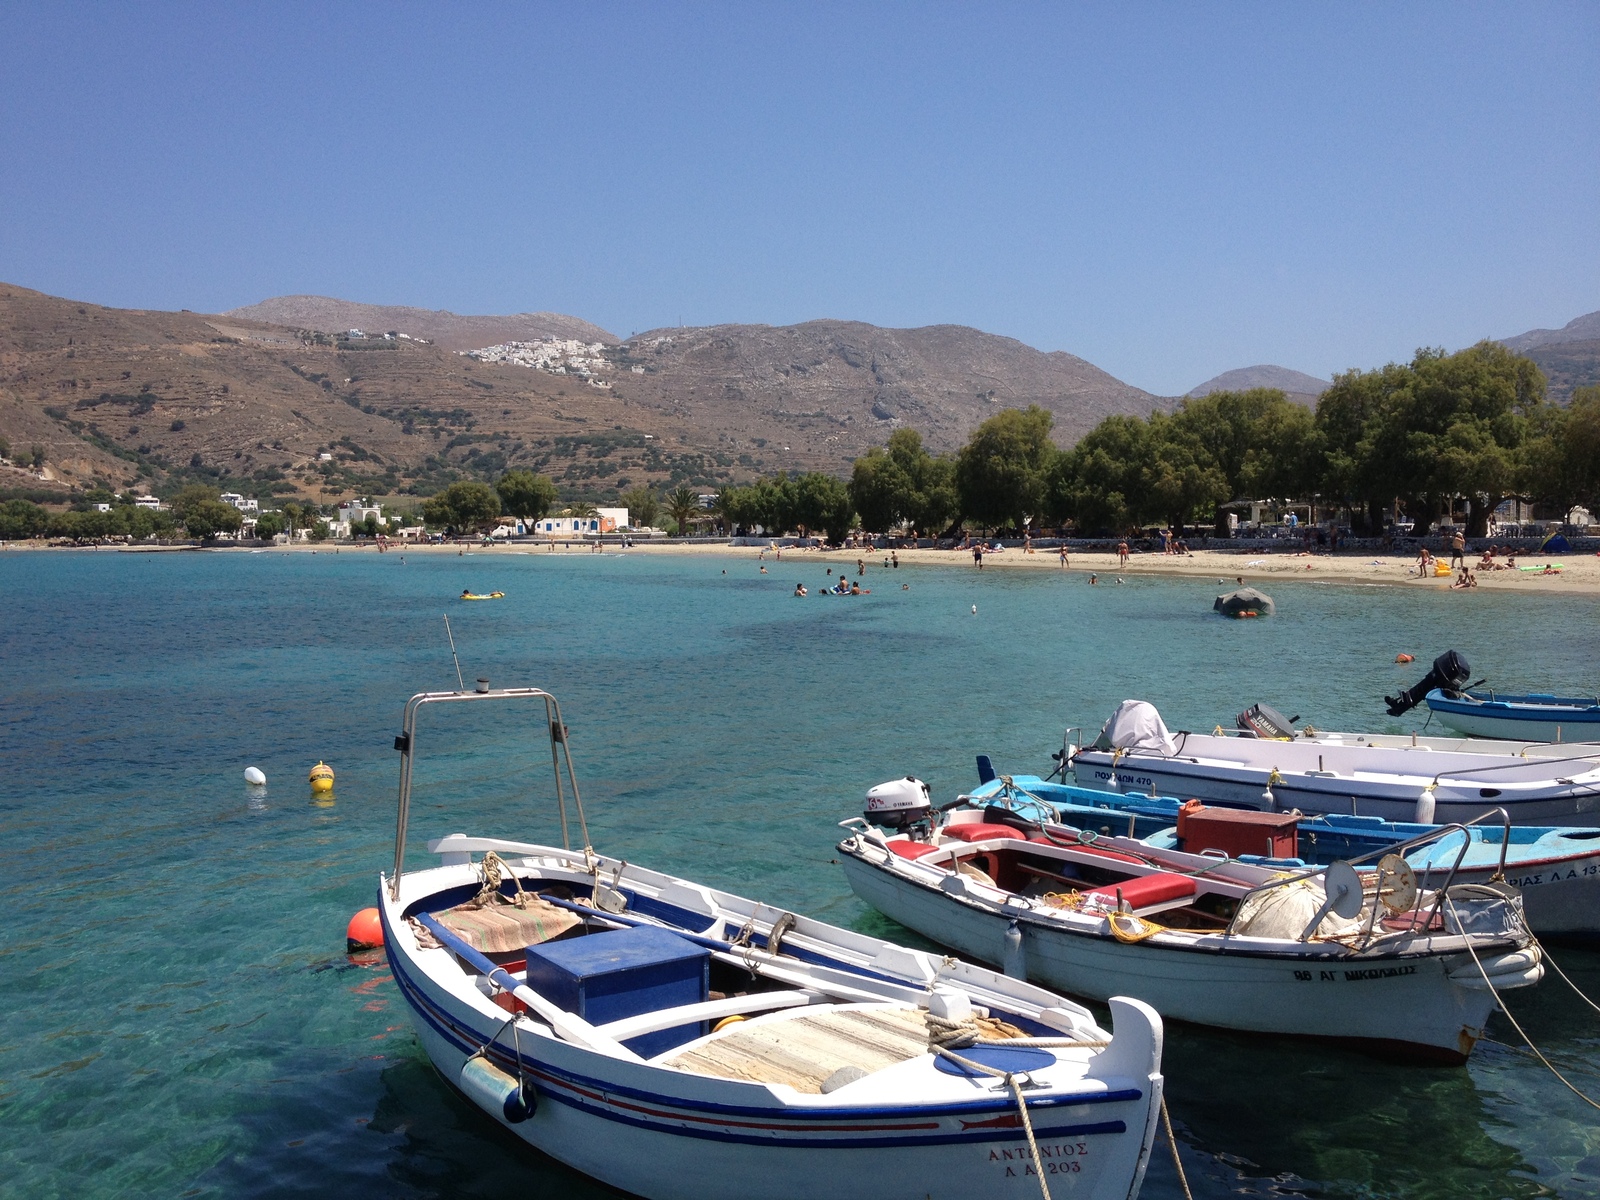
(1443, 433)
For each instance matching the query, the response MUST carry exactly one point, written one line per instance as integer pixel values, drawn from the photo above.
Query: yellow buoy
(321, 778)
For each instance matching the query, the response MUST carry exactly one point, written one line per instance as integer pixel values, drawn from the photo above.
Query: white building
(149, 502)
(354, 512)
(605, 520)
(250, 507)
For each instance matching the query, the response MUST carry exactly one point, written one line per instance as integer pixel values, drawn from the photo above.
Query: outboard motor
(1450, 673)
(1260, 721)
(903, 805)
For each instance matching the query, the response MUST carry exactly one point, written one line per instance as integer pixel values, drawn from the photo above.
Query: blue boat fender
(496, 1092)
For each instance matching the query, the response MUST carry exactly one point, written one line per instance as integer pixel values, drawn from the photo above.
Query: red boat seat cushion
(1164, 887)
(982, 833)
(911, 849)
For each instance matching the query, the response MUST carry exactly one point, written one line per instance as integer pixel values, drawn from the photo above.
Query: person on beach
(1458, 550)
(1062, 554)
(1424, 563)
(894, 559)
(1122, 554)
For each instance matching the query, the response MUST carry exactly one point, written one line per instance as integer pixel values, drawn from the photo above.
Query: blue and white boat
(1533, 718)
(676, 1041)
(1557, 868)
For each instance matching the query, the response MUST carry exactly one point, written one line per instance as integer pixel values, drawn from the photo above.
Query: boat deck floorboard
(802, 1051)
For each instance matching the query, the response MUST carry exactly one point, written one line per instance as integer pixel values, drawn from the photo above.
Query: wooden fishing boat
(1531, 717)
(1136, 753)
(1378, 961)
(674, 1040)
(1557, 868)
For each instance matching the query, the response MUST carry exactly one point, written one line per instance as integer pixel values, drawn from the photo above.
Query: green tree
(526, 495)
(23, 519)
(270, 524)
(203, 515)
(904, 484)
(683, 505)
(464, 507)
(643, 506)
(5, 447)
(822, 502)
(1001, 472)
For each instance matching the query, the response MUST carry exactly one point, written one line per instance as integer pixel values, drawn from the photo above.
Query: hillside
(1580, 329)
(1296, 384)
(447, 330)
(833, 389)
(129, 398)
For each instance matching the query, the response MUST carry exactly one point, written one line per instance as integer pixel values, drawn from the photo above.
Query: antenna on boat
(460, 682)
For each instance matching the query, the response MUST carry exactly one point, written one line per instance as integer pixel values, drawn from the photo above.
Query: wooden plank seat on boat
(803, 1049)
(1156, 892)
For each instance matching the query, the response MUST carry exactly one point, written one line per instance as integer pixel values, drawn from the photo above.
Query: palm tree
(581, 508)
(683, 504)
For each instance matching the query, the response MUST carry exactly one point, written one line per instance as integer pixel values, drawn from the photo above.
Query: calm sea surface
(177, 1015)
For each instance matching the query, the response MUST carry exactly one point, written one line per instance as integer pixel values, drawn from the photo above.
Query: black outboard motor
(1450, 673)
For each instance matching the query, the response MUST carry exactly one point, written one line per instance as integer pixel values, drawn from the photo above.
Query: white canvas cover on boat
(1284, 912)
(1136, 725)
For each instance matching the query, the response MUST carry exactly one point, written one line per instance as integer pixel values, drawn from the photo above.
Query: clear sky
(1168, 190)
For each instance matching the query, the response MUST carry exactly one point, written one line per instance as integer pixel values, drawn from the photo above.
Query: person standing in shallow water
(977, 557)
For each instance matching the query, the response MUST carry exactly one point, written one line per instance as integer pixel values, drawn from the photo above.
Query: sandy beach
(1572, 573)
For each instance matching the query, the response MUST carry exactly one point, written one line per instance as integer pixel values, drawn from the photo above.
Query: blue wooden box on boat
(621, 973)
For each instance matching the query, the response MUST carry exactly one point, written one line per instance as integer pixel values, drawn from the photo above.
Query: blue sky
(1167, 190)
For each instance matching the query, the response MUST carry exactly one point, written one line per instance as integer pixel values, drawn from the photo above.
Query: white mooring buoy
(254, 775)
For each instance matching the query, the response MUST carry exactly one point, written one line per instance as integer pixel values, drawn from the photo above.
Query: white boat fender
(1515, 964)
(1015, 961)
(1423, 813)
(497, 1093)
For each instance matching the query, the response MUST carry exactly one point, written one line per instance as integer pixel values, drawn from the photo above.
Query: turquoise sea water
(177, 1015)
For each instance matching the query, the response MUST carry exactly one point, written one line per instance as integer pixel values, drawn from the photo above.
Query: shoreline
(1575, 574)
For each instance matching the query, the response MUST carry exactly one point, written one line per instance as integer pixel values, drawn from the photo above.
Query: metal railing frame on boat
(406, 743)
(1434, 835)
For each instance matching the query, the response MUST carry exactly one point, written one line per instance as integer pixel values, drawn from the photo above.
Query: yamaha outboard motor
(1450, 673)
(1263, 722)
(903, 805)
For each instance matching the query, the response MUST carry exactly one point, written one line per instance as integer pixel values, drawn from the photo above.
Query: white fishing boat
(1135, 752)
(1486, 714)
(674, 1040)
(1380, 962)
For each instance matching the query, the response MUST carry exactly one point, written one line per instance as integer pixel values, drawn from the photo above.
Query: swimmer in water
(1093, 578)
(799, 589)
(763, 570)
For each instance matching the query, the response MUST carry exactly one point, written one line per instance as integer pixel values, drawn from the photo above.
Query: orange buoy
(1404, 658)
(364, 932)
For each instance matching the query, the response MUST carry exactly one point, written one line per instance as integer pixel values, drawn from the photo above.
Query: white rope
(1027, 1128)
(1539, 1054)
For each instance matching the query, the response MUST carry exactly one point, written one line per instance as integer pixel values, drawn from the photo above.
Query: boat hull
(706, 1140)
(1404, 1003)
(1512, 721)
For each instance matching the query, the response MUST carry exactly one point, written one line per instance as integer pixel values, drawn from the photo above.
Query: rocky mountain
(152, 400)
(1580, 329)
(1569, 356)
(448, 330)
(833, 389)
(1296, 384)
